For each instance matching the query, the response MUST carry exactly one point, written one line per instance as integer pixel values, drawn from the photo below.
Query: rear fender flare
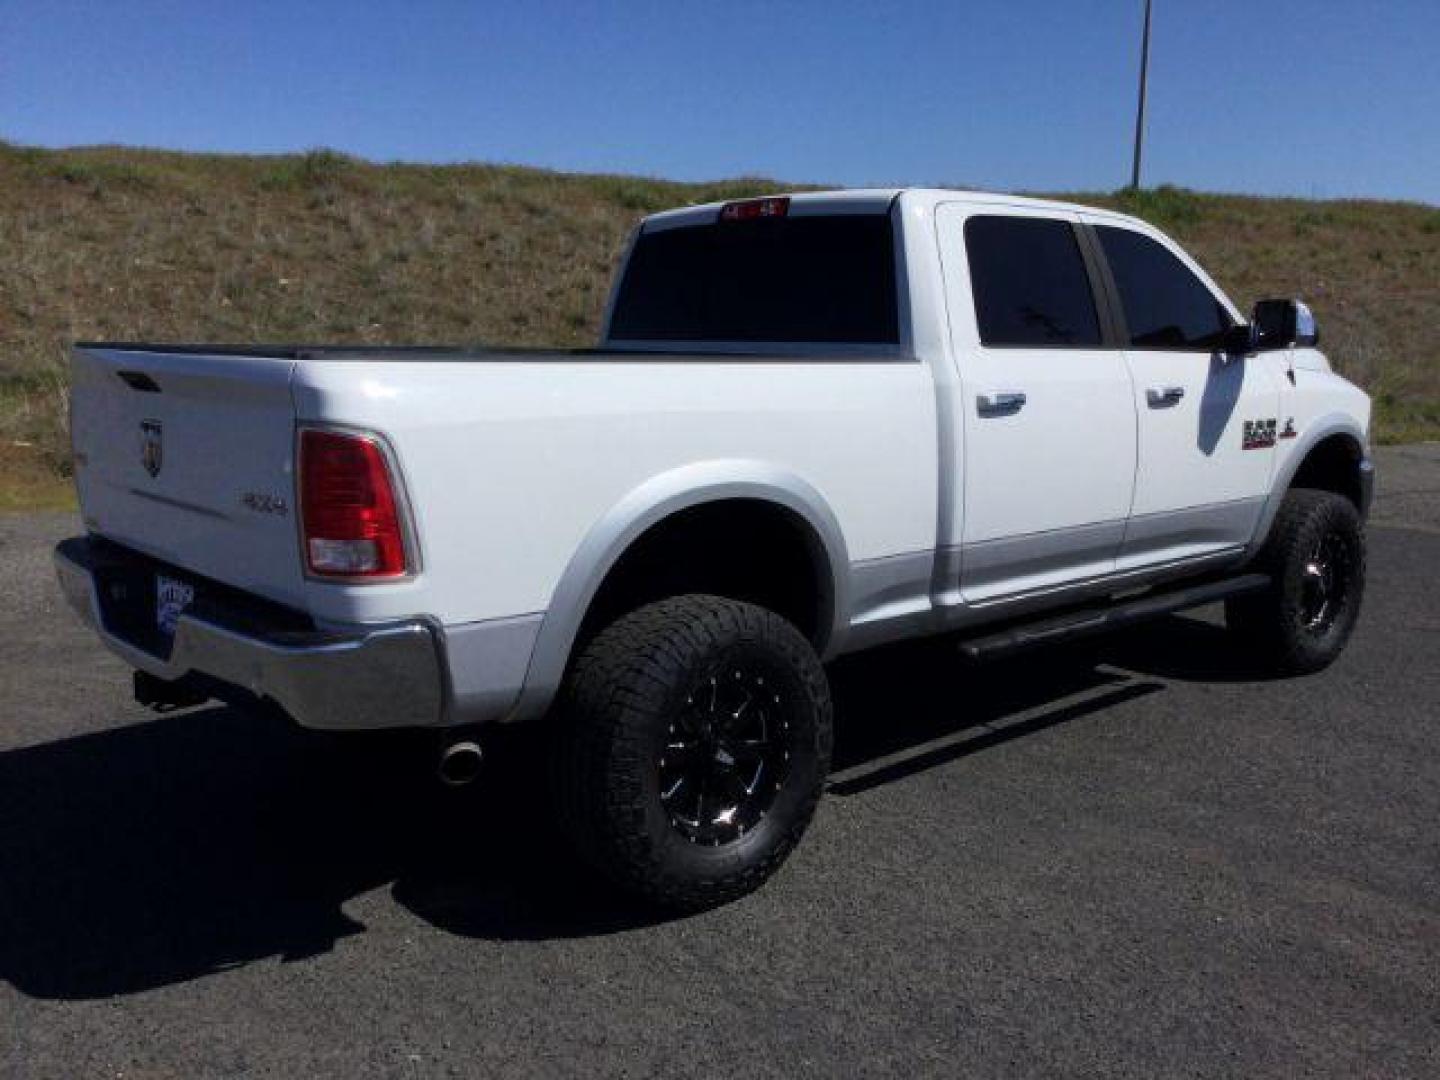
(649, 504)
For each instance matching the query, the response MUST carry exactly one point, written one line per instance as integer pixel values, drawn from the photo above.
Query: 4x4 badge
(152, 449)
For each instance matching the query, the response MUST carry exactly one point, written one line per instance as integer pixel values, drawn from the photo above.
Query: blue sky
(1320, 98)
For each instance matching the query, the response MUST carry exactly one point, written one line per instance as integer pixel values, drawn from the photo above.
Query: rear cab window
(1028, 278)
(816, 278)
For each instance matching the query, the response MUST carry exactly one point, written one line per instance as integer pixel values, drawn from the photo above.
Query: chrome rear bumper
(365, 677)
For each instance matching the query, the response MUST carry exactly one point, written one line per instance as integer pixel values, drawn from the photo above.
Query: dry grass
(118, 243)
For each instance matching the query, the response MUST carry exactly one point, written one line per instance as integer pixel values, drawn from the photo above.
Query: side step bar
(1099, 620)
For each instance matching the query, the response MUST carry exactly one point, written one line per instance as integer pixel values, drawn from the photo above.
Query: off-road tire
(1315, 534)
(617, 713)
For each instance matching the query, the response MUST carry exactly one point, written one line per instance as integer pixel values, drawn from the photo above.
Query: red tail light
(349, 514)
(771, 207)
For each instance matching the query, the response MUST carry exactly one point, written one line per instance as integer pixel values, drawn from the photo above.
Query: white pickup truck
(814, 423)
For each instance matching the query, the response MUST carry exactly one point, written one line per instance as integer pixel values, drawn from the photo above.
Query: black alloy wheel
(725, 755)
(1325, 579)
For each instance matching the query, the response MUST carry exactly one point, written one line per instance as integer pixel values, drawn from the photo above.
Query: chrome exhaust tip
(460, 763)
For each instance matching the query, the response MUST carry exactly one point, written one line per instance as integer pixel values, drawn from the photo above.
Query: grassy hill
(120, 243)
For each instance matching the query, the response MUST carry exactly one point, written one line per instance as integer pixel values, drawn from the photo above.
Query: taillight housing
(351, 522)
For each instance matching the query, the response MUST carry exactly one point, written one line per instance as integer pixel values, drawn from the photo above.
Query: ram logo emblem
(152, 447)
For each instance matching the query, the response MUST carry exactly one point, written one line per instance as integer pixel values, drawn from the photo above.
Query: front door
(1046, 411)
(1207, 421)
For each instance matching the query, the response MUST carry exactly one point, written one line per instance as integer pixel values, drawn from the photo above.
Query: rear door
(1048, 415)
(187, 457)
(1207, 421)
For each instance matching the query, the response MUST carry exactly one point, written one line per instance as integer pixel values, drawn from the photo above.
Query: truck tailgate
(188, 457)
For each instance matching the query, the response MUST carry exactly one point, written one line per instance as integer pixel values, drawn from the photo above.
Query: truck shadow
(157, 853)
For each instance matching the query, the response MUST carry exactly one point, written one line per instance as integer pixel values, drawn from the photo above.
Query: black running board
(1100, 620)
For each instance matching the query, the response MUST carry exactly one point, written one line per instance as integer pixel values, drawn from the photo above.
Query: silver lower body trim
(1189, 531)
(487, 662)
(995, 569)
(913, 612)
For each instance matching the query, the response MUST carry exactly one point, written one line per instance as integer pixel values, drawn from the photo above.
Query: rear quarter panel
(510, 465)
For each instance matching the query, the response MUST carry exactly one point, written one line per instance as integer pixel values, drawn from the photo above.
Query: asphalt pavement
(1133, 857)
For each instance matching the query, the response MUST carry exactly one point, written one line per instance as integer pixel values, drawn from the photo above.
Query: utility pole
(1140, 111)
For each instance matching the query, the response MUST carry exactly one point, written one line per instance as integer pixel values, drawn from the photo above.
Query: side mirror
(1242, 339)
(1282, 323)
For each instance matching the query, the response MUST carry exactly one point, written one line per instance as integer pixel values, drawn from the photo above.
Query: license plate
(172, 596)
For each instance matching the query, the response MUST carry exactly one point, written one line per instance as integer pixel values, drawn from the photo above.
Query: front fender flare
(1325, 427)
(647, 505)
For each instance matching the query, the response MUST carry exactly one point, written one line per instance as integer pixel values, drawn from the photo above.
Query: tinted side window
(1029, 281)
(827, 278)
(1166, 306)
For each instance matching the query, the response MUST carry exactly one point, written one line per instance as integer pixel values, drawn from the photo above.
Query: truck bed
(490, 354)
(340, 352)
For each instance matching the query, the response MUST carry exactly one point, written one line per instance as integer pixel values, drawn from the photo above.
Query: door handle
(1160, 397)
(1005, 403)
